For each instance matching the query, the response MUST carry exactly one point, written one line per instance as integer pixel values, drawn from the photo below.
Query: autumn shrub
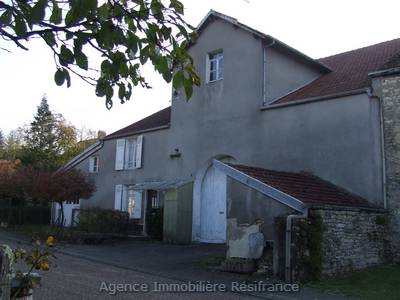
(12, 179)
(20, 185)
(103, 220)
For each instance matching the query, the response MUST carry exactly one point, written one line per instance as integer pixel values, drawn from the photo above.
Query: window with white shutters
(129, 153)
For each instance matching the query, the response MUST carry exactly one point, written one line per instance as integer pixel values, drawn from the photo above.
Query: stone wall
(387, 88)
(353, 239)
(337, 240)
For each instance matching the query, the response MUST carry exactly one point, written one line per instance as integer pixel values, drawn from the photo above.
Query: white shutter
(124, 198)
(91, 164)
(138, 152)
(119, 154)
(118, 197)
(137, 209)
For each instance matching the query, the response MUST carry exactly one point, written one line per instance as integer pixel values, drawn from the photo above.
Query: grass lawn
(382, 282)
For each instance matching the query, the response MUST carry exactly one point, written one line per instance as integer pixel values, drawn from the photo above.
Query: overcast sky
(316, 28)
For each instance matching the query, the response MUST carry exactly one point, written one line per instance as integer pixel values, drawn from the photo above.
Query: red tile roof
(350, 71)
(159, 119)
(309, 189)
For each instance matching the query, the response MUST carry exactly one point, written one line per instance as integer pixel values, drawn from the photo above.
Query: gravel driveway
(92, 272)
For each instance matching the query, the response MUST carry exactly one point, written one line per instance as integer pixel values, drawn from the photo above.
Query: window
(93, 164)
(153, 199)
(128, 199)
(134, 202)
(215, 66)
(128, 153)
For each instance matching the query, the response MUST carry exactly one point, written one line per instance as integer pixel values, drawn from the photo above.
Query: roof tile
(350, 71)
(154, 121)
(309, 189)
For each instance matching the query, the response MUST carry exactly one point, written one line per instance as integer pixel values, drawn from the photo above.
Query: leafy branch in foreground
(125, 33)
(36, 258)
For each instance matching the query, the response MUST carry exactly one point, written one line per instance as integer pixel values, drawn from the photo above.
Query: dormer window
(215, 66)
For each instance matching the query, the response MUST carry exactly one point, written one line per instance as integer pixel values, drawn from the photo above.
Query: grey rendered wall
(154, 152)
(285, 73)
(338, 140)
(248, 205)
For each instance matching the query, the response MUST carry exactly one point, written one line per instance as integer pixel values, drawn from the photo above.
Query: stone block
(245, 241)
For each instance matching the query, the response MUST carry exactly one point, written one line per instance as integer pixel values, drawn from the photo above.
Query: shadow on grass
(381, 282)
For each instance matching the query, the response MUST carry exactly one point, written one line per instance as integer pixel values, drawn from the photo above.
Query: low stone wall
(353, 239)
(335, 240)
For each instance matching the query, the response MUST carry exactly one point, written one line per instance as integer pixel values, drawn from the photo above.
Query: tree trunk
(62, 220)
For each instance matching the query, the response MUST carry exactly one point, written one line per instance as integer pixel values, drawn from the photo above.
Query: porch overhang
(159, 185)
(261, 187)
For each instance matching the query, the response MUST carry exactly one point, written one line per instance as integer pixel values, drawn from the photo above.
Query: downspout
(382, 141)
(288, 265)
(265, 46)
(383, 155)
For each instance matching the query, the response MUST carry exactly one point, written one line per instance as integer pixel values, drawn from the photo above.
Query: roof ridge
(261, 34)
(155, 121)
(357, 49)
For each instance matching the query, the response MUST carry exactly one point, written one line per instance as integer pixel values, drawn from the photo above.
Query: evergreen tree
(50, 141)
(40, 139)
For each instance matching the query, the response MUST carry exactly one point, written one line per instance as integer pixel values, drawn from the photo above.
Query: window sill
(214, 81)
(130, 169)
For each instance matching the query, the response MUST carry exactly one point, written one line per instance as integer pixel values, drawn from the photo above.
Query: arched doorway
(202, 214)
(213, 207)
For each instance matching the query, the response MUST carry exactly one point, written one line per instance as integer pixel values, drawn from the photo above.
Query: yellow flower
(50, 241)
(44, 265)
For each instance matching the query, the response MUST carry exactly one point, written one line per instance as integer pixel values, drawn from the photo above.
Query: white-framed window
(128, 154)
(134, 202)
(129, 200)
(93, 164)
(215, 66)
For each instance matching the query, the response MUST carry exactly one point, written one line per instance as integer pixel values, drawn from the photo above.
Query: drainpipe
(265, 70)
(288, 265)
(382, 141)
